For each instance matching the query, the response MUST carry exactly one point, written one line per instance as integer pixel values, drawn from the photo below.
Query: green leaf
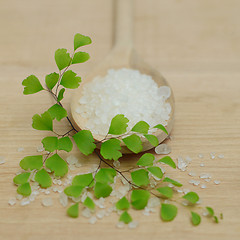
(24, 189)
(21, 178)
(125, 217)
(141, 127)
(84, 141)
(65, 144)
(216, 219)
(152, 139)
(110, 149)
(166, 191)
(196, 219)
(83, 180)
(210, 211)
(139, 198)
(134, 143)
(60, 95)
(57, 165)
(58, 112)
(51, 80)
(73, 211)
(175, 183)
(156, 171)
(105, 175)
(123, 204)
(32, 85)
(118, 125)
(31, 162)
(50, 143)
(43, 178)
(192, 197)
(89, 203)
(102, 190)
(161, 127)
(140, 177)
(168, 212)
(62, 58)
(70, 80)
(168, 160)
(43, 122)
(146, 160)
(80, 57)
(81, 40)
(73, 191)
(221, 215)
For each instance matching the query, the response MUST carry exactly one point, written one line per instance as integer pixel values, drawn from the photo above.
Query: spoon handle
(123, 27)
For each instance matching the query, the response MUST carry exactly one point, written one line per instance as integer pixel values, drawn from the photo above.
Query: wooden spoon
(122, 56)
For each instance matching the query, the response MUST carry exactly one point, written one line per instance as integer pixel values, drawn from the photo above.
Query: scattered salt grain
(179, 190)
(100, 214)
(207, 179)
(120, 224)
(116, 164)
(59, 182)
(47, 192)
(71, 159)
(186, 190)
(202, 165)
(2, 160)
(194, 182)
(40, 148)
(72, 167)
(12, 201)
(200, 155)
(32, 197)
(205, 175)
(100, 202)
(182, 164)
(92, 220)
(185, 203)
(221, 156)
(217, 182)
(163, 149)
(192, 174)
(153, 202)
(123, 91)
(46, 202)
(19, 197)
(205, 213)
(20, 149)
(86, 212)
(25, 201)
(203, 186)
(63, 199)
(133, 224)
(212, 155)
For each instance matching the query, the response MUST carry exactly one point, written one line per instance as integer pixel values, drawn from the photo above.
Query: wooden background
(195, 44)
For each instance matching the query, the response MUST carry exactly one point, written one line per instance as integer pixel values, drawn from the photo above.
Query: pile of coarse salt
(123, 91)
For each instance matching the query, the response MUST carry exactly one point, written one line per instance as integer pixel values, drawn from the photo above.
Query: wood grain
(195, 44)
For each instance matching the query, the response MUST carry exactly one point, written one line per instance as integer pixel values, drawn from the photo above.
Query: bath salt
(123, 91)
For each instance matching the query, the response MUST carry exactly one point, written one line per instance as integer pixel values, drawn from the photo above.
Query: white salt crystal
(212, 155)
(12, 201)
(221, 156)
(35, 192)
(194, 182)
(86, 212)
(207, 179)
(63, 199)
(40, 148)
(72, 159)
(100, 202)
(186, 190)
(203, 186)
(47, 192)
(100, 214)
(120, 224)
(59, 182)
(205, 213)
(92, 220)
(20, 149)
(217, 182)
(205, 175)
(25, 201)
(133, 224)
(116, 164)
(185, 203)
(2, 160)
(202, 165)
(32, 197)
(200, 155)
(192, 174)
(179, 190)
(123, 91)
(46, 202)
(182, 164)
(153, 202)
(19, 197)
(163, 149)
(72, 167)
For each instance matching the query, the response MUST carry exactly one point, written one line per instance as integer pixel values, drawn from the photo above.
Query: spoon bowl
(122, 56)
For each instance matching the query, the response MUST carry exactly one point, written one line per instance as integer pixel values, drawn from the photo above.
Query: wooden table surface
(196, 46)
